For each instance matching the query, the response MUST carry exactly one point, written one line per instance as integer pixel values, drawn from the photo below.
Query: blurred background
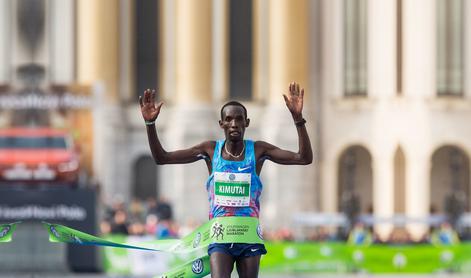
(387, 103)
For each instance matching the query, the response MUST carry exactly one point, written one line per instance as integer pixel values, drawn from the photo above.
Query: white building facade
(388, 88)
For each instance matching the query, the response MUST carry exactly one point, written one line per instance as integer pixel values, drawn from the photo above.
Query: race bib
(232, 189)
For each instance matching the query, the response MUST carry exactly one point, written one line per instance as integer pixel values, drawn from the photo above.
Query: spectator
(136, 229)
(151, 206)
(164, 210)
(105, 227)
(166, 229)
(119, 224)
(151, 224)
(445, 235)
(359, 235)
(136, 209)
(152, 217)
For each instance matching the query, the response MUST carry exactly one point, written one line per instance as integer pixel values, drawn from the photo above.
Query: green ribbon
(64, 234)
(6, 231)
(196, 268)
(217, 230)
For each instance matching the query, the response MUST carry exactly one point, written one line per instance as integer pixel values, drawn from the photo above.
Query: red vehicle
(37, 155)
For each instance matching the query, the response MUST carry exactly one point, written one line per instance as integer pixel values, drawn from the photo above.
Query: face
(234, 122)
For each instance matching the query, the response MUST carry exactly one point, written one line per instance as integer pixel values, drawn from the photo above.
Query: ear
(247, 122)
(220, 124)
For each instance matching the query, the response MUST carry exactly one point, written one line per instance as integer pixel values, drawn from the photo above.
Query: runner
(234, 166)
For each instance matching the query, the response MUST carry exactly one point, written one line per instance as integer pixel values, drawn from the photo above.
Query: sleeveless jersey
(234, 187)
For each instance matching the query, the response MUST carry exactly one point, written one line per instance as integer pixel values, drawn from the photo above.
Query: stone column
(332, 51)
(331, 88)
(381, 48)
(467, 43)
(62, 55)
(419, 52)
(62, 42)
(381, 87)
(98, 44)
(288, 61)
(126, 52)
(167, 55)
(5, 60)
(419, 29)
(260, 49)
(288, 52)
(5, 42)
(193, 51)
(98, 66)
(191, 120)
(383, 190)
(220, 45)
(418, 191)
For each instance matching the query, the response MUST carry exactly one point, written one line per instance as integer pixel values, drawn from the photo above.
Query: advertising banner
(72, 207)
(311, 257)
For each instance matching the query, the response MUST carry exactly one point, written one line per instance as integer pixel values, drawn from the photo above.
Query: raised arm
(150, 111)
(294, 102)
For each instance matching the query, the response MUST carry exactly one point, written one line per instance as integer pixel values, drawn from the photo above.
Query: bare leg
(248, 267)
(221, 265)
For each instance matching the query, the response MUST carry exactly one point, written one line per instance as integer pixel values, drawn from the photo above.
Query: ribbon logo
(218, 230)
(197, 240)
(55, 232)
(4, 231)
(197, 267)
(259, 231)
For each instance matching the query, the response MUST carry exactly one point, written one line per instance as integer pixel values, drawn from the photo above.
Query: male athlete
(234, 165)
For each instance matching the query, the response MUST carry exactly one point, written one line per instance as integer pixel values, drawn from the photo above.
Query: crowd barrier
(307, 257)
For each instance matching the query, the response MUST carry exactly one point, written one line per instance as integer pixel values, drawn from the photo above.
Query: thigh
(247, 267)
(221, 265)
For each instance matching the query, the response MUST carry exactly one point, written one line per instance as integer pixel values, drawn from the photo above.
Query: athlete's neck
(234, 149)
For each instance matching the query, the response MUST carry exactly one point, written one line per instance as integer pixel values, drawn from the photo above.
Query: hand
(148, 108)
(294, 101)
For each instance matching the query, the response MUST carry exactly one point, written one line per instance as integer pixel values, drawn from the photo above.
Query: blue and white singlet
(234, 187)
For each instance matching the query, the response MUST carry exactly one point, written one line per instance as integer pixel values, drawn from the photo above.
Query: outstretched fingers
(294, 99)
(148, 98)
(292, 88)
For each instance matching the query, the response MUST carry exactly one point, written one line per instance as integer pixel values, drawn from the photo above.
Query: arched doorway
(355, 182)
(145, 178)
(449, 192)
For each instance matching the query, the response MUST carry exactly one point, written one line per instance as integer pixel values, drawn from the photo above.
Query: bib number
(232, 189)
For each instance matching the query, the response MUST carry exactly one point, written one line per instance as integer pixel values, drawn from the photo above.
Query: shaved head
(234, 103)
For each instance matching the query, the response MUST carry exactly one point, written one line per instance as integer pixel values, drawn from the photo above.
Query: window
(147, 43)
(240, 53)
(355, 47)
(450, 50)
